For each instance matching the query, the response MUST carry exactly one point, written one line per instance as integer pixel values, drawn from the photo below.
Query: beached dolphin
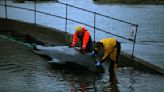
(64, 54)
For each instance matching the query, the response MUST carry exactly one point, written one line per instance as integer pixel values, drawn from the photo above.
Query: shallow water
(50, 79)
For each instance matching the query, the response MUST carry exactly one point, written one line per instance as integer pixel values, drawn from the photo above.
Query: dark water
(43, 78)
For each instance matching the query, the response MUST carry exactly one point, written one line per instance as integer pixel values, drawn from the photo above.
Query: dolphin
(64, 54)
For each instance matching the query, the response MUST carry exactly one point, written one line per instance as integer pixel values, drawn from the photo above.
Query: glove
(94, 54)
(82, 51)
(97, 63)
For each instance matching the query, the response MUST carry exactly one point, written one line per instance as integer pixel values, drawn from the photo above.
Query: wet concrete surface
(21, 70)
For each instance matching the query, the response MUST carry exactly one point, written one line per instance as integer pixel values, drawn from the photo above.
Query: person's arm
(85, 39)
(75, 39)
(106, 54)
(108, 49)
(99, 59)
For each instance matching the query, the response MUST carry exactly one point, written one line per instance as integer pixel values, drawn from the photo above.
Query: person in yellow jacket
(107, 49)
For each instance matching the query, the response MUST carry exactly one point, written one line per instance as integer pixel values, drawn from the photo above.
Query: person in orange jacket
(83, 35)
(107, 49)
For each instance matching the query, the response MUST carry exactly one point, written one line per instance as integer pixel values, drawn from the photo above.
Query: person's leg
(118, 46)
(111, 66)
(113, 81)
(113, 78)
(114, 57)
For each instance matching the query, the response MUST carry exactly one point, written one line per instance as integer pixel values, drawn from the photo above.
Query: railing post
(94, 26)
(134, 42)
(66, 38)
(6, 9)
(66, 18)
(35, 12)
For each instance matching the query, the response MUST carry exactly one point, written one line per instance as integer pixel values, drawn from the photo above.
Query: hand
(94, 54)
(82, 51)
(70, 46)
(97, 63)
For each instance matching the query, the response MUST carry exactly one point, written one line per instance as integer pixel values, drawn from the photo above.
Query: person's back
(109, 45)
(84, 36)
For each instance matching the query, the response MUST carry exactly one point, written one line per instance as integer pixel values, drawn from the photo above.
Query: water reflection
(75, 88)
(122, 80)
(90, 83)
(79, 80)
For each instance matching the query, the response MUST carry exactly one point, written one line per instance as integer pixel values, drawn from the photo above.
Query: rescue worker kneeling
(107, 49)
(83, 35)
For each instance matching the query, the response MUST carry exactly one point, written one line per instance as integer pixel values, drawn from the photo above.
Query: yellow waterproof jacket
(109, 46)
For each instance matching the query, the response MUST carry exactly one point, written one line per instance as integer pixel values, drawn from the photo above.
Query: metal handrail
(98, 13)
(77, 21)
(66, 18)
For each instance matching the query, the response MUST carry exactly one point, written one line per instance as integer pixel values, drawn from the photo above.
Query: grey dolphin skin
(64, 54)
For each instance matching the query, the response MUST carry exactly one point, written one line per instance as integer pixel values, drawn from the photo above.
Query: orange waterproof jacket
(84, 37)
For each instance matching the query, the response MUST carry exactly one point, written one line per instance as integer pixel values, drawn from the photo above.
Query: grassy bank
(152, 2)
